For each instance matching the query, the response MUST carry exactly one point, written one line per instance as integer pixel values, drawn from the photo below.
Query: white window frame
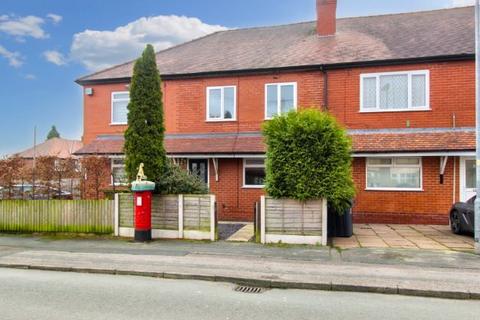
(245, 166)
(222, 104)
(393, 165)
(111, 107)
(113, 165)
(279, 101)
(377, 76)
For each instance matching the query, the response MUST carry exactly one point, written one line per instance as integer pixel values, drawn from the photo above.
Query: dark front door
(199, 167)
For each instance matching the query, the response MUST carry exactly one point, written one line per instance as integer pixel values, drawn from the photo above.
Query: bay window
(394, 91)
(394, 173)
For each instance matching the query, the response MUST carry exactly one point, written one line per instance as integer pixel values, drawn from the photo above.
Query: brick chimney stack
(326, 17)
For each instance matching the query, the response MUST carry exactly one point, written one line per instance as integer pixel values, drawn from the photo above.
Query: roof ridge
(404, 13)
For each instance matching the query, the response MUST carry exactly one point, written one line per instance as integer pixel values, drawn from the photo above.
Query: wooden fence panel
(86, 216)
(196, 212)
(292, 217)
(165, 212)
(126, 210)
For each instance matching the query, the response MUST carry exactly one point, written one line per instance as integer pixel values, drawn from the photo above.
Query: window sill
(118, 124)
(394, 189)
(395, 110)
(253, 187)
(220, 120)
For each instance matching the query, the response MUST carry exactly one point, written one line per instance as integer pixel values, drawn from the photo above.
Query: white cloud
(29, 26)
(55, 18)
(30, 76)
(14, 58)
(462, 3)
(55, 57)
(101, 49)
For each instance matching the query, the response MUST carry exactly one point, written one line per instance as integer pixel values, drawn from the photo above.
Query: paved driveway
(430, 237)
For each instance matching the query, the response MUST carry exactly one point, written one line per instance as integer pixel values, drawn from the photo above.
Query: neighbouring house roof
(439, 33)
(364, 141)
(55, 147)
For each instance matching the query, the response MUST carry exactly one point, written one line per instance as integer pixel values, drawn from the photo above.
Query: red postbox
(143, 215)
(143, 206)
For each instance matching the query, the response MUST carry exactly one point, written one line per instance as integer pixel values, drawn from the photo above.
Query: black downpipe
(325, 89)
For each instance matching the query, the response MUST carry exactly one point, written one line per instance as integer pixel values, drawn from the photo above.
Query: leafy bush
(178, 181)
(308, 157)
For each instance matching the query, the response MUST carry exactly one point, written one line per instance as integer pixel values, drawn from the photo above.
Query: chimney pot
(326, 17)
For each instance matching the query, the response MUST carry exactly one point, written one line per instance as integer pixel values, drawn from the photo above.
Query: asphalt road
(30, 294)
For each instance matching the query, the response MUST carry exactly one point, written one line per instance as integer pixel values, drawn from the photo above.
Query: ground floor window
(403, 173)
(119, 175)
(254, 173)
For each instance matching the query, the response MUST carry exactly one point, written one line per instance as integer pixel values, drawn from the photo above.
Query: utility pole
(477, 118)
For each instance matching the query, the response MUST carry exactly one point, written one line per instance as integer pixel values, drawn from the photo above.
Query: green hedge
(308, 157)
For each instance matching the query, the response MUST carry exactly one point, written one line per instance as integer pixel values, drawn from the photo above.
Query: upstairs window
(120, 102)
(221, 103)
(280, 98)
(394, 91)
(394, 173)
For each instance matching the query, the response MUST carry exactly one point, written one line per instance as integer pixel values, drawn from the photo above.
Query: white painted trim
(251, 186)
(215, 167)
(218, 156)
(463, 189)
(279, 103)
(112, 123)
(443, 164)
(156, 233)
(262, 220)
(293, 239)
(409, 75)
(393, 165)
(212, 217)
(196, 235)
(180, 216)
(116, 215)
(222, 104)
(324, 222)
(126, 232)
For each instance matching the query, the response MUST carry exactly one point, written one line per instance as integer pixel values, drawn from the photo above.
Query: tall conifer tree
(145, 133)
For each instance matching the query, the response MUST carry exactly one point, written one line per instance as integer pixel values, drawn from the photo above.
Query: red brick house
(402, 84)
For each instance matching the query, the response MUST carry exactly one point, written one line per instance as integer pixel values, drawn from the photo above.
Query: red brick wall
(428, 206)
(234, 203)
(451, 95)
(452, 92)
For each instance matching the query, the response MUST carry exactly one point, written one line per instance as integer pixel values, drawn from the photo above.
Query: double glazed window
(394, 173)
(120, 102)
(119, 176)
(395, 91)
(221, 103)
(280, 98)
(253, 173)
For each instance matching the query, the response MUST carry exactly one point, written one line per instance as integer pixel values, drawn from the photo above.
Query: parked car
(462, 217)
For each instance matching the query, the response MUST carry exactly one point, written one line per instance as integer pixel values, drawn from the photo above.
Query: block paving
(429, 237)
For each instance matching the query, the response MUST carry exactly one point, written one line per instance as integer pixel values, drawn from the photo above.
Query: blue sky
(45, 45)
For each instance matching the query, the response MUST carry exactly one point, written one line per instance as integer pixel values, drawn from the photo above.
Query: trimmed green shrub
(145, 133)
(308, 157)
(176, 180)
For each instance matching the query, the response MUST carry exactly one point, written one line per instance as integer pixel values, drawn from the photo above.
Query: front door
(199, 167)
(467, 178)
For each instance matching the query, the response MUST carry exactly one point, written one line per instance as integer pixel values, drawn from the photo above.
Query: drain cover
(248, 289)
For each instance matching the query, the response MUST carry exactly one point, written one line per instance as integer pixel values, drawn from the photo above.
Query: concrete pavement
(395, 271)
(32, 294)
